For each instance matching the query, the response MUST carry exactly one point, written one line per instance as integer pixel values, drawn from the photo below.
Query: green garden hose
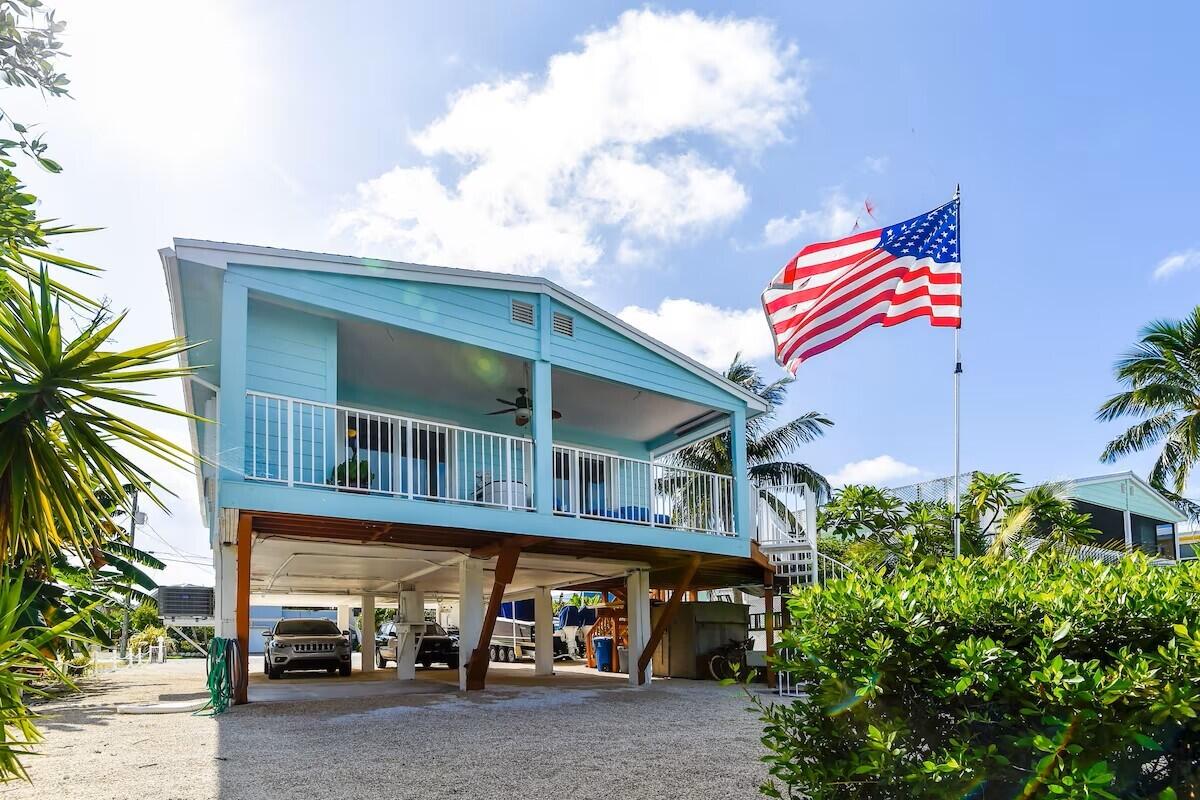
(223, 663)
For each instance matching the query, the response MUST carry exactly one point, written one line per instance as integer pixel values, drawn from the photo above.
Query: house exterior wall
(278, 335)
(1122, 494)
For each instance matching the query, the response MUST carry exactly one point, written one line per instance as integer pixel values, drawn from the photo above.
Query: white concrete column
(224, 536)
(637, 609)
(343, 617)
(368, 633)
(410, 611)
(543, 630)
(470, 612)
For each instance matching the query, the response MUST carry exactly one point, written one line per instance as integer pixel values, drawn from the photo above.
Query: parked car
(436, 646)
(296, 644)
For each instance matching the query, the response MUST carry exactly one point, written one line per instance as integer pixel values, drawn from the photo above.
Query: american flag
(830, 291)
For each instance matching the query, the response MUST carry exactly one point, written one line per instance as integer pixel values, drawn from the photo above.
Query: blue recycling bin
(603, 646)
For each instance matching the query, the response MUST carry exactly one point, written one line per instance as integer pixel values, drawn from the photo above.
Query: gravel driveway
(676, 739)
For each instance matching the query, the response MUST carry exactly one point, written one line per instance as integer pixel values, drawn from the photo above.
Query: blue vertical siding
(597, 349)
(294, 354)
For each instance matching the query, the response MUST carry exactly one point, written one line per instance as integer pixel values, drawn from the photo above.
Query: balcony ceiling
(457, 382)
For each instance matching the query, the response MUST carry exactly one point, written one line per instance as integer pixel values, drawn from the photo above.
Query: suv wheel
(274, 673)
(426, 663)
(344, 670)
(452, 662)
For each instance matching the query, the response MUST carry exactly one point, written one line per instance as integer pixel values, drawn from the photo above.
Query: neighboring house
(386, 433)
(1129, 513)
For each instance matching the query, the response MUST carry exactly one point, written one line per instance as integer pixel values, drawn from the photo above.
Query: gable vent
(563, 324)
(522, 312)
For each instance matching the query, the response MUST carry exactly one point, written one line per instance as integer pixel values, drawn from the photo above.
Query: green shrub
(992, 678)
(145, 616)
(148, 637)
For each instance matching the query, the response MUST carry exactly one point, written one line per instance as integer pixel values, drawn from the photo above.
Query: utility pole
(133, 519)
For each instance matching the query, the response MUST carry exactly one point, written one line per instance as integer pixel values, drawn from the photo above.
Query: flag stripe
(946, 306)
(878, 319)
(830, 291)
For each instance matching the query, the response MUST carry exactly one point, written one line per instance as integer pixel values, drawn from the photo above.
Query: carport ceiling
(308, 566)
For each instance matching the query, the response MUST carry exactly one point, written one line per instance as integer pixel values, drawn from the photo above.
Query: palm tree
(990, 493)
(1162, 374)
(767, 447)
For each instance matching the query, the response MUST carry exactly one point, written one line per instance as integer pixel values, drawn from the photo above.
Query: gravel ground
(676, 739)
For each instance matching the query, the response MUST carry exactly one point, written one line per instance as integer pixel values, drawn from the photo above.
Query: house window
(563, 324)
(522, 312)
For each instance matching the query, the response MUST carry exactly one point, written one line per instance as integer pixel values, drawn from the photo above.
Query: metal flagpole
(957, 376)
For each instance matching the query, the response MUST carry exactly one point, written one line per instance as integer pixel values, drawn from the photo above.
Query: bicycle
(729, 661)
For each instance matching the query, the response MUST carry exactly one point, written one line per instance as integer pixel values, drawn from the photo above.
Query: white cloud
(1177, 262)
(878, 470)
(876, 164)
(835, 218)
(707, 333)
(601, 146)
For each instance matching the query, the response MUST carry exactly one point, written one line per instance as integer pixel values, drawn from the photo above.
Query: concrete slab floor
(437, 680)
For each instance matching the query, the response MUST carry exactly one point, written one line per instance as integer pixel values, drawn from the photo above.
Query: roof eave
(195, 249)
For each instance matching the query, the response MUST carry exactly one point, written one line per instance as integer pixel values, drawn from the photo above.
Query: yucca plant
(60, 425)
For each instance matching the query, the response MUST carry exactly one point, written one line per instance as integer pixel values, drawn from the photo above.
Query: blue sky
(641, 158)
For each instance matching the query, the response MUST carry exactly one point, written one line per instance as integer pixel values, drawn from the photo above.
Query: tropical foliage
(870, 526)
(991, 678)
(66, 440)
(768, 446)
(1162, 379)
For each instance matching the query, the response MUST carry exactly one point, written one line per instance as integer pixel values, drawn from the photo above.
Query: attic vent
(563, 324)
(522, 312)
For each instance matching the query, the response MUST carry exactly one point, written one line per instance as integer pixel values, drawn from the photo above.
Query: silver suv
(306, 644)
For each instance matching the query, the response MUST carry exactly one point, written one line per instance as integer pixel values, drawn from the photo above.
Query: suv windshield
(306, 627)
(433, 629)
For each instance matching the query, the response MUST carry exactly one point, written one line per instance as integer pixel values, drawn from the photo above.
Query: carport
(290, 558)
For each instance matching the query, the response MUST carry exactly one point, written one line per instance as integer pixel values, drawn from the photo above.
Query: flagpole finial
(957, 189)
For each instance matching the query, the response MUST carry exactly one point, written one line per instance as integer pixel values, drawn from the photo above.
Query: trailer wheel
(494, 653)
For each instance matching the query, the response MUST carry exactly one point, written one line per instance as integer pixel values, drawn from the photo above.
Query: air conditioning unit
(181, 603)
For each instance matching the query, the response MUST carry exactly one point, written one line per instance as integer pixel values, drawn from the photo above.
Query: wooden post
(506, 567)
(769, 622)
(242, 608)
(660, 627)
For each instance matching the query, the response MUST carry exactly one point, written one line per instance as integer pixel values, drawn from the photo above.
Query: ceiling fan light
(522, 416)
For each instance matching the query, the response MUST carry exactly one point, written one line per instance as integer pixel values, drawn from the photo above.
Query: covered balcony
(426, 419)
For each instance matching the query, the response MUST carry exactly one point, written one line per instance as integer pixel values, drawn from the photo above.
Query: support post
(637, 613)
(660, 627)
(470, 612)
(543, 438)
(769, 622)
(543, 631)
(242, 608)
(506, 567)
(410, 610)
(343, 617)
(741, 474)
(231, 433)
(367, 663)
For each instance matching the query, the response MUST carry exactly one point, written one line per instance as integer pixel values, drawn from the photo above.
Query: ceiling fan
(521, 408)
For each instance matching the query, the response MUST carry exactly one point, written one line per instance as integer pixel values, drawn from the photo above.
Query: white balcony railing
(304, 443)
(597, 485)
(784, 516)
